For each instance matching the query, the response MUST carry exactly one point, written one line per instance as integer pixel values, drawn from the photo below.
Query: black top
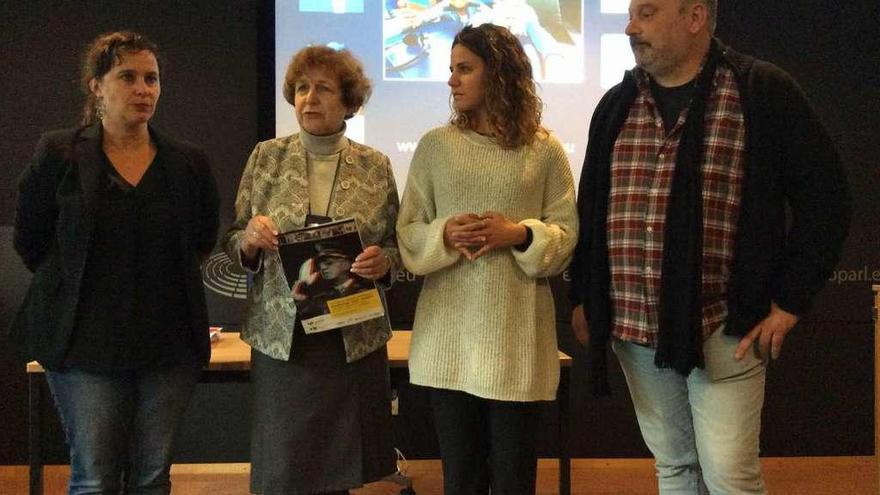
(59, 199)
(671, 101)
(132, 309)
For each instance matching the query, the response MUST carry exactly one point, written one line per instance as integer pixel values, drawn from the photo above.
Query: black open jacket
(789, 160)
(53, 225)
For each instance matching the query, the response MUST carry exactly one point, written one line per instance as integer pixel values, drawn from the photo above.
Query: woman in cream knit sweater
(488, 214)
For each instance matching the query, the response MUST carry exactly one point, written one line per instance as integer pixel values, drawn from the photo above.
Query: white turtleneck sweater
(487, 327)
(322, 161)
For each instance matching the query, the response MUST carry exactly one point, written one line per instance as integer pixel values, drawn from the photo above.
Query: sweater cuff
(250, 267)
(424, 252)
(526, 243)
(533, 259)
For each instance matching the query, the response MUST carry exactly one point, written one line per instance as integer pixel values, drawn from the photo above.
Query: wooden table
(231, 361)
(877, 381)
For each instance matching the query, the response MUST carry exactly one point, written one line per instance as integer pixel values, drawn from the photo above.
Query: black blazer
(54, 220)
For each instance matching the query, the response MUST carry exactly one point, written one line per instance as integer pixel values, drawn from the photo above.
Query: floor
(783, 475)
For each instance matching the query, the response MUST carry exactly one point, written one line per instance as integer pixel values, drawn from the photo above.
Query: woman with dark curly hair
(322, 401)
(114, 218)
(488, 214)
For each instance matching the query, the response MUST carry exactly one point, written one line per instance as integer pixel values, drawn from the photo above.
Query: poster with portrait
(317, 263)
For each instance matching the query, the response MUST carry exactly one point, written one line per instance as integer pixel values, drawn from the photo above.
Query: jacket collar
(86, 155)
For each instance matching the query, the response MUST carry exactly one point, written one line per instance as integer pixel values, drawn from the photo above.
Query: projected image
(615, 58)
(418, 34)
(578, 49)
(332, 6)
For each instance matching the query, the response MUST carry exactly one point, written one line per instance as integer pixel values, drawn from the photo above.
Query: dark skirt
(320, 424)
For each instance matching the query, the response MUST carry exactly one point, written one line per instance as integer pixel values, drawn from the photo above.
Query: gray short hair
(711, 8)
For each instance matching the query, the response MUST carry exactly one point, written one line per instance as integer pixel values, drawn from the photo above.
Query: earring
(99, 108)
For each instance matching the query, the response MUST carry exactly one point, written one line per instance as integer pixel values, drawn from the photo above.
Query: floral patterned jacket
(275, 184)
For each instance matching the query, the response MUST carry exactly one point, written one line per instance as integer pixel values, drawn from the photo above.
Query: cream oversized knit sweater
(487, 327)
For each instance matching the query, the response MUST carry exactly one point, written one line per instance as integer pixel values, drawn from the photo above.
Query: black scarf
(680, 338)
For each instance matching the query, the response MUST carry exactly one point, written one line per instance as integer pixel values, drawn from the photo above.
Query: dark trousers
(486, 444)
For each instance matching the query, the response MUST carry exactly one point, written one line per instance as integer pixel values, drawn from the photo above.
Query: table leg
(562, 400)
(35, 441)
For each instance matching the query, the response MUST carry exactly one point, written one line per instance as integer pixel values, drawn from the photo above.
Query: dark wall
(209, 96)
(819, 397)
(820, 394)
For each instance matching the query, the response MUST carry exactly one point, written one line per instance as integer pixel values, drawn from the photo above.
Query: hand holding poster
(317, 262)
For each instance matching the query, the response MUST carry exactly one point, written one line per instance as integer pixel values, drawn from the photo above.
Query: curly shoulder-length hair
(509, 93)
(349, 73)
(102, 54)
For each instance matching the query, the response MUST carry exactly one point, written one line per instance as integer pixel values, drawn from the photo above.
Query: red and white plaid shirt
(642, 165)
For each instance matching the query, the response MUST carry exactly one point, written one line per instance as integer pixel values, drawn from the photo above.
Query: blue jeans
(703, 430)
(120, 426)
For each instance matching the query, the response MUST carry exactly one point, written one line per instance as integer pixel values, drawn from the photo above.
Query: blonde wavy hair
(509, 93)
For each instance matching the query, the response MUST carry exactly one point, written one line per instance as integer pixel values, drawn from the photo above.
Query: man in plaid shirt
(685, 262)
